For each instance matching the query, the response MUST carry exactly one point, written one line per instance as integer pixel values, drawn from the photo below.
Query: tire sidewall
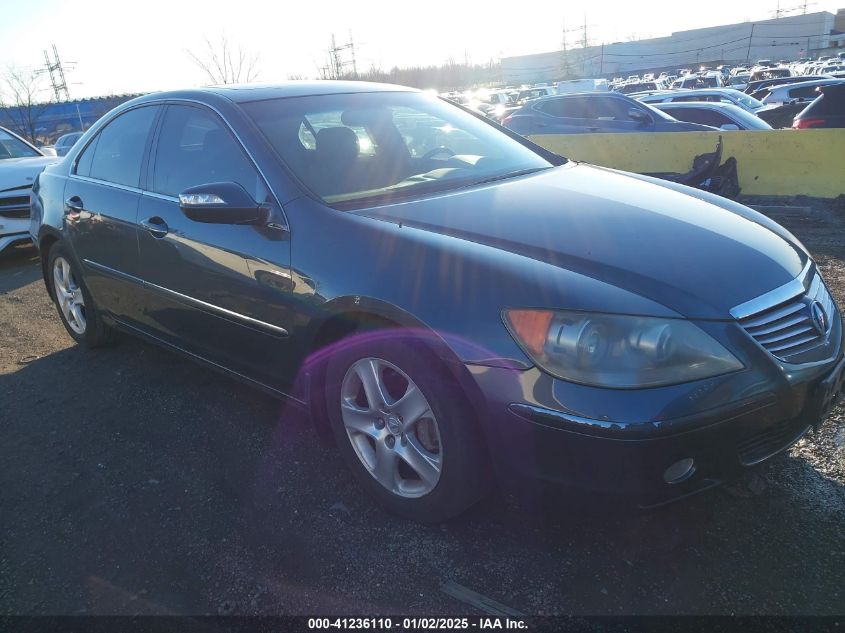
(463, 472)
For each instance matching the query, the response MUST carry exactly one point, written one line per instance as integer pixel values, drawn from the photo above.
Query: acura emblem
(819, 318)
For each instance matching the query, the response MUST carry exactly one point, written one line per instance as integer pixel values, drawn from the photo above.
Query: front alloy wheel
(391, 427)
(404, 425)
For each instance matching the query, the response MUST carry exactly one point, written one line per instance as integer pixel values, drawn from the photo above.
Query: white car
(797, 92)
(20, 163)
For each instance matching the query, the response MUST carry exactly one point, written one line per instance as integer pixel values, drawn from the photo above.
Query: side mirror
(729, 126)
(635, 114)
(48, 151)
(221, 203)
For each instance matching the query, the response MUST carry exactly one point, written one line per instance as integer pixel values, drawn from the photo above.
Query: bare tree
(225, 63)
(24, 105)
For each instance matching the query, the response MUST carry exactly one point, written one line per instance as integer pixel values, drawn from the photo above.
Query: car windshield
(657, 112)
(747, 100)
(12, 147)
(354, 150)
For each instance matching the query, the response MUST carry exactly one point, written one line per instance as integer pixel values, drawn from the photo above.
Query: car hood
(19, 172)
(697, 258)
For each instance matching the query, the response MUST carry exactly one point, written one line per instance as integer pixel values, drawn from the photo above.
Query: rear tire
(416, 447)
(77, 310)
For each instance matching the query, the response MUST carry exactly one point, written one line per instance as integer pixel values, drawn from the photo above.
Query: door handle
(74, 206)
(156, 226)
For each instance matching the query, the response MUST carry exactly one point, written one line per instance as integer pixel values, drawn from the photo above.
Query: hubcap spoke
(386, 466)
(78, 317)
(359, 421)
(411, 406)
(58, 279)
(370, 374)
(425, 464)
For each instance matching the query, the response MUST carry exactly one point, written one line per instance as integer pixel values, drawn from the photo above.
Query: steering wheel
(437, 150)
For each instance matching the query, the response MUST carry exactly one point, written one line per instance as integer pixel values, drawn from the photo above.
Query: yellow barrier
(769, 163)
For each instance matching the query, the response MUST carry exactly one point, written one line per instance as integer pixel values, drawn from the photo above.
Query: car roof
(710, 105)
(242, 93)
(693, 91)
(594, 93)
(804, 84)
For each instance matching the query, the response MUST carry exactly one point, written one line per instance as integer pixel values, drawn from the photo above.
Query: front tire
(76, 307)
(404, 428)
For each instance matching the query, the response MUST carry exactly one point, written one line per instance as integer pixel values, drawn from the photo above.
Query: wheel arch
(352, 315)
(47, 239)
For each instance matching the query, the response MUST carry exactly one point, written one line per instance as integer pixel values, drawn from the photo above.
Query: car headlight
(617, 351)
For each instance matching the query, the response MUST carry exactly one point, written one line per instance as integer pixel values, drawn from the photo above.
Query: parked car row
(593, 112)
(675, 110)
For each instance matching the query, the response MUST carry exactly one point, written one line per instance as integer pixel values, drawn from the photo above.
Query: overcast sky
(141, 46)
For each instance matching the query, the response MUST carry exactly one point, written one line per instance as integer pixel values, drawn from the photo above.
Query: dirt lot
(134, 481)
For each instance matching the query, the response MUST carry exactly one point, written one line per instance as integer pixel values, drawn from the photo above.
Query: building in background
(790, 38)
(51, 120)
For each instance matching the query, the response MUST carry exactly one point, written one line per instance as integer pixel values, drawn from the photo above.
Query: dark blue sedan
(452, 304)
(609, 112)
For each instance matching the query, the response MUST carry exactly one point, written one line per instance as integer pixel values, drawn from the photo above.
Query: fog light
(680, 471)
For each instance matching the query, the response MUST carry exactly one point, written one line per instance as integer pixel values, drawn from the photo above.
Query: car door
(612, 114)
(701, 116)
(101, 204)
(564, 115)
(220, 291)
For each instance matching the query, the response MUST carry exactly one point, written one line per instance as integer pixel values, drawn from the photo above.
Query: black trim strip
(627, 432)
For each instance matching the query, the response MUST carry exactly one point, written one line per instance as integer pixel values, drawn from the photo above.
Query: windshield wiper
(399, 194)
(505, 176)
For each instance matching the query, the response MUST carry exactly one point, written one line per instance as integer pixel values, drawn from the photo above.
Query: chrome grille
(792, 325)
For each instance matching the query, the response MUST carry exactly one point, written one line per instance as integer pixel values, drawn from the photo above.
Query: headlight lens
(608, 350)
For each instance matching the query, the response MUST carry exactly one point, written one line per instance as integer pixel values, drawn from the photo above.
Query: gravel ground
(136, 482)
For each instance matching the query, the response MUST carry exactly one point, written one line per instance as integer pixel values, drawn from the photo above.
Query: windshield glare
(747, 100)
(11, 147)
(352, 149)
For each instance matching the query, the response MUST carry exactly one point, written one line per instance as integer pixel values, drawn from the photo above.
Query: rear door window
(702, 116)
(116, 155)
(805, 92)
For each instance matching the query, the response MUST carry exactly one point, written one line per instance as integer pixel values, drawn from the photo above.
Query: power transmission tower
(779, 13)
(336, 61)
(57, 75)
(586, 41)
(565, 69)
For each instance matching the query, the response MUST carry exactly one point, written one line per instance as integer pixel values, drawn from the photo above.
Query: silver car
(724, 116)
(716, 95)
(797, 92)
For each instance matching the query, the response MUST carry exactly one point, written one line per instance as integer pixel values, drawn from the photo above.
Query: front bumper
(598, 455)
(13, 230)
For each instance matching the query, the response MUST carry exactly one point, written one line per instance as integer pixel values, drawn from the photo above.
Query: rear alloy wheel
(76, 308)
(69, 295)
(404, 426)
